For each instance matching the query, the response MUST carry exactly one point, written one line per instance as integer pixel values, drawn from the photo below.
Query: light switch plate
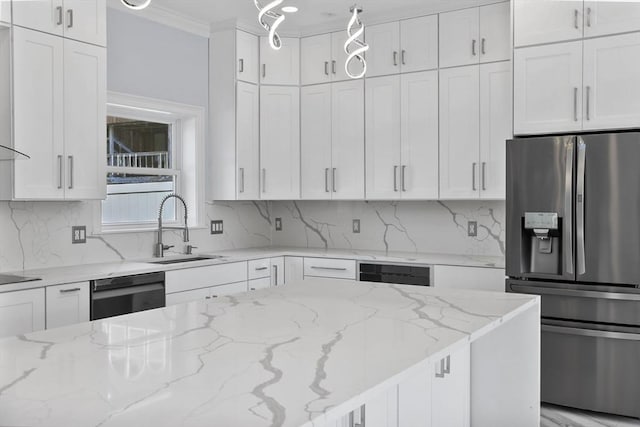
(472, 228)
(78, 234)
(217, 226)
(356, 226)
(278, 224)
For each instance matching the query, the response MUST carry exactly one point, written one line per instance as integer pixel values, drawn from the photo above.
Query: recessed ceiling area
(312, 15)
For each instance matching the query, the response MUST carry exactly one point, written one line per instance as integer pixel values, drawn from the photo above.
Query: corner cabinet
(280, 67)
(59, 118)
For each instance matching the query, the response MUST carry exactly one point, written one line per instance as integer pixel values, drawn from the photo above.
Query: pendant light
(269, 12)
(355, 29)
(136, 5)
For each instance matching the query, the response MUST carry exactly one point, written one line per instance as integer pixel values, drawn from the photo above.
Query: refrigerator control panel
(541, 220)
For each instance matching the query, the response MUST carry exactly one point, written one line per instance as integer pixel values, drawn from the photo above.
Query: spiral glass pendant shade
(354, 47)
(268, 12)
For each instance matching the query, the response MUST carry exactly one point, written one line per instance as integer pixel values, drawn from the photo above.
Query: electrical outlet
(356, 226)
(217, 226)
(78, 234)
(278, 224)
(472, 228)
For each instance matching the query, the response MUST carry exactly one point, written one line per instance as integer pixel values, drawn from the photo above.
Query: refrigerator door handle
(594, 333)
(580, 202)
(568, 208)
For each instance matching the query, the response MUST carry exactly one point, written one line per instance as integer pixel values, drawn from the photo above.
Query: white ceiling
(313, 15)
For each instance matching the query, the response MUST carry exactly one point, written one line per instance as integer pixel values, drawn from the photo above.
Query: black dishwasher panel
(393, 273)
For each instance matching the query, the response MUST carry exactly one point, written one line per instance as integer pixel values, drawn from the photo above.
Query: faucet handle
(190, 249)
(167, 247)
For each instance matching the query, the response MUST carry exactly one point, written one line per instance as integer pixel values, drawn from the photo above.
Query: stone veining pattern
(284, 362)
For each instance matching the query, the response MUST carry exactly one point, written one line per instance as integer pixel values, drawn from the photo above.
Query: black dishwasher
(126, 294)
(403, 274)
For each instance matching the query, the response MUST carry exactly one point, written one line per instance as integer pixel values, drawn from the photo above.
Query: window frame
(187, 151)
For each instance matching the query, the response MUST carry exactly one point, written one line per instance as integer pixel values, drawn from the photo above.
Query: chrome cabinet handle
(68, 291)
(333, 66)
(575, 104)
(326, 180)
(333, 180)
(59, 12)
(264, 70)
(483, 46)
(473, 176)
(473, 47)
(242, 180)
(395, 58)
(326, 68)
(395, 178)
(70, 16)
(588, 17)
(70, 172)
(447, 366)
(575, 19)
(580, 202)
(275, 275)
(587, 102)
(440, 373)
(261, 268)
(314, 267)
(241, 65)
(403, 57)
(352, 418)
(484, 176)
(264, 180)
(568, 207)
(59, 172)
(404, 175)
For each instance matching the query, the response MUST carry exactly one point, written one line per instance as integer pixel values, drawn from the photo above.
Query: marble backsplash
(38, 234)
(412, 226)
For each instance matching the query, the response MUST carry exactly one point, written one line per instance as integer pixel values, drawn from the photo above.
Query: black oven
(126, 294)
(403, 274)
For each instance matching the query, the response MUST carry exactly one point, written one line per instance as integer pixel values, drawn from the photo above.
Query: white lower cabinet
(21, 312)
(67, 304)
(205, 282)
(278, 275)
(451, 390)
(477, 278)
(257, 284)
(414, 400)
(228, 289)
(206, 293)
(330, 268)
(293, 269)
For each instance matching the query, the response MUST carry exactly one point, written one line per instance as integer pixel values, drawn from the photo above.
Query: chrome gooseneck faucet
(160, 247)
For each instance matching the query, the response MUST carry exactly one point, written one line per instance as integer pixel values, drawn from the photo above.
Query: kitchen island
(304, 354)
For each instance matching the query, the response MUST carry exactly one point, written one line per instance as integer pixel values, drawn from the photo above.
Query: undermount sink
(190, 259)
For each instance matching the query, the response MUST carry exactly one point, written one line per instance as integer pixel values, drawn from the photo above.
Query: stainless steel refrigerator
(573, 237)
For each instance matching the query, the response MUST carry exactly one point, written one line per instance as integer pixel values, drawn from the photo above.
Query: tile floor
(558, 416)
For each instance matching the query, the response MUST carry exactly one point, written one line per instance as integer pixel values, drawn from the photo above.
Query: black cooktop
(5, 279)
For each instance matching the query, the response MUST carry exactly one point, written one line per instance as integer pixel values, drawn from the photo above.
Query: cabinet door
(419, 41)
(476, 278)
(459, 44)
(280, 142)
(315, 59)
(347, 153)
(85, 93)
(495, 127)
(258, 284)
(315, 143)
(451, 390)
(414, 401)
(277, 271)
(5, 11)
(537, 21)
(339, 58)
(187, 296)
(382, 138)
(280, 67)
(38, 114)
(21, 312)
(293, 269)
(381, 411)
(86, 21)
(495, 33)
(247, 68)
(67, 304)
(612, 82)
(228, 289)
(419, 147)
(248, 141)
(547, 88)
(383, 56)
(459, 132)
(42, 15)
(602, 18)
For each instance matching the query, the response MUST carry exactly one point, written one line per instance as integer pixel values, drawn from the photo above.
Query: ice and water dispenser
(542, 243)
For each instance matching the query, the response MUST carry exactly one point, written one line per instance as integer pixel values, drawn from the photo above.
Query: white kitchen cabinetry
(68, 105)
(478, 278)
(278, 276)
(451, 389)
(21, 312)
(82, 20)
(414, 400)
(280, 67)
(206, 293)
(603, 18)
(67, 304)
(234, 117)
(266, 272)
(322, 59)
(201, 282)
(293, 269)
(405, 46)
(475, 35)
(332, 141)
(330, 268)
(257, 284)
(537, 22)
(280, 142)
(5, 11)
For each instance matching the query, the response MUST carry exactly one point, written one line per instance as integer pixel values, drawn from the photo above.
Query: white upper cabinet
(315, 62)
(548, 88)
(248, 141)
(611, 82)
(247, 57)
(280, 142)
(495, 127)
(280, 67)
(315, 147)
(603, 18)
(82, 20)
(419, 44)
(339, 58)
(383, 56)
(459, 37)
(546, 21)
(459, 132)
(495, 32)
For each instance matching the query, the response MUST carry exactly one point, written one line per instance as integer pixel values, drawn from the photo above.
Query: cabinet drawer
(259, 268)
(202, 277)
(334, 268)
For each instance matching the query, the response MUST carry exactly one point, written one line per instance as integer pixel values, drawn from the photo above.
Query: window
(153, 150)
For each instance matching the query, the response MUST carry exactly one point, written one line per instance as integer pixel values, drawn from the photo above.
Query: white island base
(314, 353)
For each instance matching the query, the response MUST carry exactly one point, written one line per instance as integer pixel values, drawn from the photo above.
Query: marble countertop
(295, 355)
(80, 273)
